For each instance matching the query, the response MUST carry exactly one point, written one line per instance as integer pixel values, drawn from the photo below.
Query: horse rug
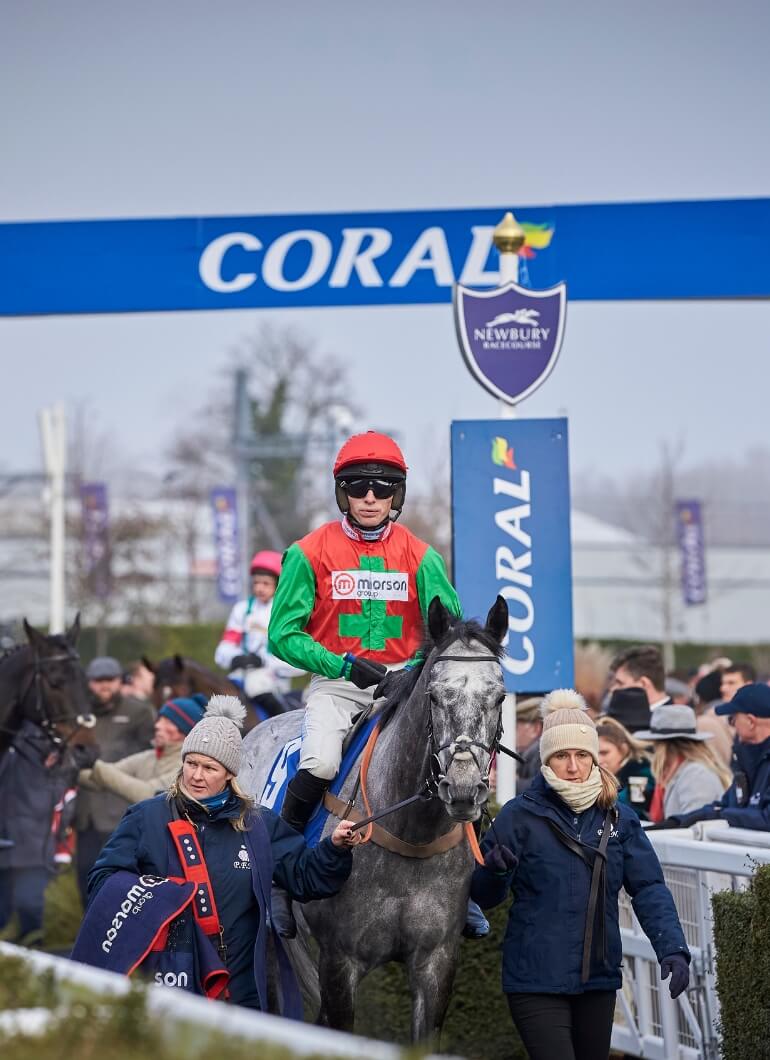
(286, 765)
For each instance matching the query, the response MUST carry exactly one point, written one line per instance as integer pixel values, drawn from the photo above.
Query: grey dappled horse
(396, 908)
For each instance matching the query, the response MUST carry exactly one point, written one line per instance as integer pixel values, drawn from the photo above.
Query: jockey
(243, 646)
(350, 605)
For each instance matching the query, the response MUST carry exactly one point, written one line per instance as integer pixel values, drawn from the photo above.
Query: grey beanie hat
(218, 733)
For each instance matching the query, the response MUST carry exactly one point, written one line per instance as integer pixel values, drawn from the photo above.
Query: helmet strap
(365, 533)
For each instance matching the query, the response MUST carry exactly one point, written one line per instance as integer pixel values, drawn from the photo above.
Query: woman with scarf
(565, 847)
(206, 824)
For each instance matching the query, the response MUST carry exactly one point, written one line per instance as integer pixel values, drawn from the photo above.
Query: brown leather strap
(390, 842)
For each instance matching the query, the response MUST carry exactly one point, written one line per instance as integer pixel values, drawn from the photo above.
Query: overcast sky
(168, 109)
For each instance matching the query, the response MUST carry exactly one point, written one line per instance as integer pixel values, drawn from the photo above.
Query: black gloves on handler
(363, 672)
(677, 967)
(500, 860)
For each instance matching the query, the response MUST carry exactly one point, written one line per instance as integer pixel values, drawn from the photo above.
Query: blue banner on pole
(511, 535)
(654, 250)
(96, 538)
(689, 524)
(224, 506)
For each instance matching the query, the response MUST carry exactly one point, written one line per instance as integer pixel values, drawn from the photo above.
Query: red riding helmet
(266, 562)
(373, 455)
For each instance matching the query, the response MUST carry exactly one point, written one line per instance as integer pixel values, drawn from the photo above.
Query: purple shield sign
(510, 336)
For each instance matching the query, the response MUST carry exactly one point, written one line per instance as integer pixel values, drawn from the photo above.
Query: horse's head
(466, 690)
(171, 679)
(57, 693)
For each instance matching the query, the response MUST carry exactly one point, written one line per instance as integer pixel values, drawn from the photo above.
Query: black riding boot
(302, 796)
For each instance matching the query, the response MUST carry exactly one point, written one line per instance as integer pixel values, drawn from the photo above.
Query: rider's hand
(677, 967)
(500, 860)
(344, 836)
(246, 662)
(363, 672)
(389, 683)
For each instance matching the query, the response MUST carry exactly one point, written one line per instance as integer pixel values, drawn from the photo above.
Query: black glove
(364, 673)
(389, 683)
(246, 662)
(82, 757)
(676, 966)
(500, 860)
(669, 822)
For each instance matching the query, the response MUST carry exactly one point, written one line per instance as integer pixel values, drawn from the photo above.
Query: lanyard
(196, 871)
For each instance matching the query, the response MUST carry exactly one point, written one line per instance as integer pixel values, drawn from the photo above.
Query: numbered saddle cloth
(285, 767)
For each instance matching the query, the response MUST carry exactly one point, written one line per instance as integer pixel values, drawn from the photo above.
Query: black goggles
(380, 487)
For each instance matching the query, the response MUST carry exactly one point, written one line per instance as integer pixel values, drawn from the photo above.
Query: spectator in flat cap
(529, 726)
(123, 727)
(746, 803)
(146, 773)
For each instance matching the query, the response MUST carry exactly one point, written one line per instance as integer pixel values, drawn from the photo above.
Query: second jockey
(243, 650)
(350, 605)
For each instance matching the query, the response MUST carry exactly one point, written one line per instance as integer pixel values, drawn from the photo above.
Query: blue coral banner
(224, 509)
(654, 250)
(692, 549)
(511, 536)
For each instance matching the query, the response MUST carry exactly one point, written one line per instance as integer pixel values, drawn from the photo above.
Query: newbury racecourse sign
(614, 251)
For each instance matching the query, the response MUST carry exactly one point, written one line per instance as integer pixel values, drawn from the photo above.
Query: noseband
(462, 745)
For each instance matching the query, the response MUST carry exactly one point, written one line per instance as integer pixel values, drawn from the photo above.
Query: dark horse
(179, 676)
(42, 682)
(439, 731)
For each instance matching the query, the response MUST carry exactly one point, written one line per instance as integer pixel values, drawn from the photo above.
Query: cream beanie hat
(566, 725)
(218, 733)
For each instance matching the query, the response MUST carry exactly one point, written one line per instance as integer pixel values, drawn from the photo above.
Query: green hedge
(742, 937)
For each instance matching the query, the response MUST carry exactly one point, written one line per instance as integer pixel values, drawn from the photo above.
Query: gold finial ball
(509, 236)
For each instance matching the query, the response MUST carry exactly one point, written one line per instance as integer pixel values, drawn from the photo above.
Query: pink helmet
(266, 562)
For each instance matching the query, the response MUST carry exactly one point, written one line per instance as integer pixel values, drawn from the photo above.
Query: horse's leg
(430, 980)
(339, 978)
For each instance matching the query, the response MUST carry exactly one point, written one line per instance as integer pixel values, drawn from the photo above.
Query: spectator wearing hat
(686, 770)
(124, 726)
(630, 707)
(627, 758)
(746, 803)
(565, 848)
(146, 773)
(529, 726)
(231, 831)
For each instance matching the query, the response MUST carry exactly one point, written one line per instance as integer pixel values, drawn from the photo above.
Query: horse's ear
(73, 632)
(439, 620)
(497, 619)
(34, 636)
(179, 662)
(148, 664)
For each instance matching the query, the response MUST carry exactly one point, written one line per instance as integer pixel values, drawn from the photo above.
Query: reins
(430, 788)
(45, 722)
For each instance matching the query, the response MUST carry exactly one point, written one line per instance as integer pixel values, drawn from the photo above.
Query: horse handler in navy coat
(232, 834)
(565, 847)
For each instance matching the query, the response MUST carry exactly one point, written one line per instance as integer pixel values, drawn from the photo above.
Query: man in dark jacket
(746, 803)
(123, 727)
(529, 726)
(32, 782)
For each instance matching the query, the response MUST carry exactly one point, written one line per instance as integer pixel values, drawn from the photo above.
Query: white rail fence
(174, 1007)
(697, 862)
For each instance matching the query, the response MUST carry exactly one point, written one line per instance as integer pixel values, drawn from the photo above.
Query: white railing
(174, 1007)
(696, 862)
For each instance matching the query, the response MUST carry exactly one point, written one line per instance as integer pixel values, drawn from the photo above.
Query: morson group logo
(510, 336)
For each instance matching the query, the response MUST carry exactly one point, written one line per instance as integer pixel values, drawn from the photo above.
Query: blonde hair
(608, 796)
(690, 751)
(248, 805)
(612, 730)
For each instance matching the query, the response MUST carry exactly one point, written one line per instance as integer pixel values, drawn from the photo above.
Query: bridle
(43, 718)
(461, 745)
